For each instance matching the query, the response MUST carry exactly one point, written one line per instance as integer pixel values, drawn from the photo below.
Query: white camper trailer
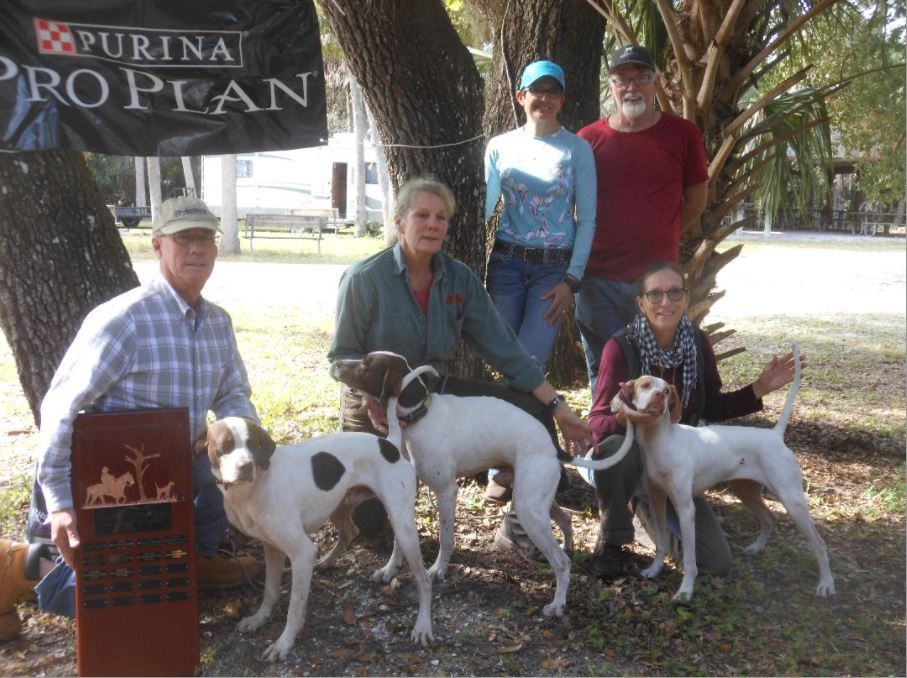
(278, 182)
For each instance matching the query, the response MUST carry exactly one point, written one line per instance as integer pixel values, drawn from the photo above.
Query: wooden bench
(308, 224)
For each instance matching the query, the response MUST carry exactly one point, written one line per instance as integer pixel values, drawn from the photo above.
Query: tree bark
(60, 256)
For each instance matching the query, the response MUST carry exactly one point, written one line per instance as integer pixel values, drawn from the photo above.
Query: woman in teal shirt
(546, 177)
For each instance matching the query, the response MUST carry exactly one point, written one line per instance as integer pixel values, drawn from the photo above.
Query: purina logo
(146, 47)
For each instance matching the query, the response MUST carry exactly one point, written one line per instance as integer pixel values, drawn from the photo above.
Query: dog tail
(781, 426)
(607, 462)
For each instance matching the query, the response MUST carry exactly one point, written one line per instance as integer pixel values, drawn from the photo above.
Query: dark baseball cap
(632, 54)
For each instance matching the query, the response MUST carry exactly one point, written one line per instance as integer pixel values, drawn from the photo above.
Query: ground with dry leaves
(847, 432)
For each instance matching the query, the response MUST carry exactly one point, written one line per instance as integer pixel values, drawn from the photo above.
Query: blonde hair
(408, 191)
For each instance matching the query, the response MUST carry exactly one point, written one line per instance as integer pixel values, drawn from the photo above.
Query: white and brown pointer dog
(684, 461)
(280, 494)
(450, 436)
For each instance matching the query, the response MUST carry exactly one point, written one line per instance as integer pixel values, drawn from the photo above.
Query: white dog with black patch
(280, 494)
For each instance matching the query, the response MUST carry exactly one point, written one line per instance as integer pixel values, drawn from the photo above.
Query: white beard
(634, 108)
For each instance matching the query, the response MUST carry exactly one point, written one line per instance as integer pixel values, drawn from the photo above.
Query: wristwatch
(557, 400)
(572, 283)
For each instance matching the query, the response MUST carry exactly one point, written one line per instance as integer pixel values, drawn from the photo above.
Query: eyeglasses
(674, 294)
(184, 239)
(537, 91)
(640, 80)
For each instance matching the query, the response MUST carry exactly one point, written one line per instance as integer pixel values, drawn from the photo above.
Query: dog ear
(394, 371)
(674, 404)
(625, 393)
(200, 444)
(260, 445)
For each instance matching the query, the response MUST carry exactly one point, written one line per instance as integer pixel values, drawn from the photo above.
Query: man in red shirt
(652, 183)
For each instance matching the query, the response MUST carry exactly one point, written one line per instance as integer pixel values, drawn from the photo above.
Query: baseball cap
(632, 54)
(182, 213)
(542, 69)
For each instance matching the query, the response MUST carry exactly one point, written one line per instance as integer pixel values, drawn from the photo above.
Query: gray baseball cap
(182, 213)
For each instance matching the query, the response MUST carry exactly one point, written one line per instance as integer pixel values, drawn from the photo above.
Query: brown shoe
(499, 489)
(14, 586)
(222, 571)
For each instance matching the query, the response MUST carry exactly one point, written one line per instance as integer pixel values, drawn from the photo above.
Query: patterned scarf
(682, 351)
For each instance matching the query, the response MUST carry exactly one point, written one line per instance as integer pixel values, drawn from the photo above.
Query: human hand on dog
(575, 430)
(778, 372)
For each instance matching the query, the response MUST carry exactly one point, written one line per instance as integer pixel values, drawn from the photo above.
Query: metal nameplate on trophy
(136, 604)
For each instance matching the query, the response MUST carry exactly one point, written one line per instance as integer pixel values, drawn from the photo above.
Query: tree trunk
(60, 256)
(140, 191)
(360, 124)
(425, 92)
(154, 186)
(384, 183)
(229, 243)
(188, 176)
(570, 33)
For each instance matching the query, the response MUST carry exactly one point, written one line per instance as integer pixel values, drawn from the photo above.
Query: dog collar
(415, 415)
(625, 399)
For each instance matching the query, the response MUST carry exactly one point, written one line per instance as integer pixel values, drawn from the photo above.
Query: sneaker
(225, 571)
(607, 562)
(497, 493)
(511, 536)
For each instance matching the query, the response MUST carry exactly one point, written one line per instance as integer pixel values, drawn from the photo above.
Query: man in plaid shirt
(160, 345)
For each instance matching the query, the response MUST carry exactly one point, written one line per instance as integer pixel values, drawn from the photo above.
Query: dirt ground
(761, 620)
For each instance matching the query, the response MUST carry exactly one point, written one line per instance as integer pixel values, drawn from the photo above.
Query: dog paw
(825, 589)
(383, 575)
(251, 623)
(422, 634)
(754, 549)
(651, 572)
(436, 573)
(683, 595)
(553, 610)
(277, 651)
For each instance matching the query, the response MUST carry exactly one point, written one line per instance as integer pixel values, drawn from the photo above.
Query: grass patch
(342, 248)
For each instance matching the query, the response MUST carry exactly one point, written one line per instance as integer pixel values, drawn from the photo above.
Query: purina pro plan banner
(160, 78)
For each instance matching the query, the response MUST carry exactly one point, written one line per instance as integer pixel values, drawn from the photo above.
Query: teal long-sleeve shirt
(549, 189)
(376, 311)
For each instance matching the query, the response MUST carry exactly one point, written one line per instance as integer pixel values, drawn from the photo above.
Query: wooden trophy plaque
(136, 604)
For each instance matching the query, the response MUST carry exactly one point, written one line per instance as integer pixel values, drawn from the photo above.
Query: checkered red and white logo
(54, 37)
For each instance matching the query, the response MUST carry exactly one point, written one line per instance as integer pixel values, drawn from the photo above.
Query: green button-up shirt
(377, 311)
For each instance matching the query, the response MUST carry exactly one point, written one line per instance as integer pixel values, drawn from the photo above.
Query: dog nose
(244, 472)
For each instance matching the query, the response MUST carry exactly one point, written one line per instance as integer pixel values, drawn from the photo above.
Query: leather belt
(534, 255)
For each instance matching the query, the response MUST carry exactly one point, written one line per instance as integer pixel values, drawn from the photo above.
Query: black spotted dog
(280, 494)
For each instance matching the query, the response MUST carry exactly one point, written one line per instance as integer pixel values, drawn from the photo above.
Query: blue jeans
(57, 591)
(516, 287)
(602, 308)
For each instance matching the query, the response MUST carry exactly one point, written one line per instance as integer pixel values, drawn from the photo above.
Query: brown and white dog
(684, 461)
(280, 494)
(455, 436)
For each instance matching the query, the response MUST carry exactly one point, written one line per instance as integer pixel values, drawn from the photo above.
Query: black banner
(160, 78)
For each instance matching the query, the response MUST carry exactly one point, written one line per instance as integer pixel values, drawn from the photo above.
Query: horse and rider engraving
(110, 486)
